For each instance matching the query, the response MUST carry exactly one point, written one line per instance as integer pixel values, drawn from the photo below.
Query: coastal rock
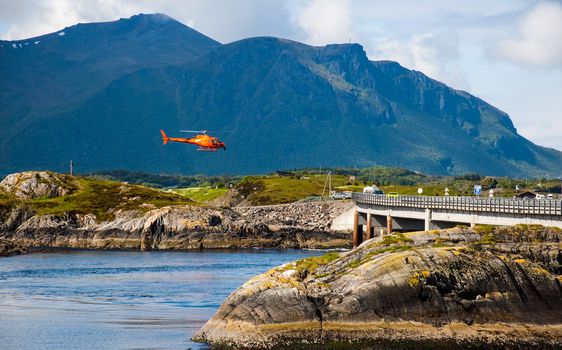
(182, 227)
(8, 248)
(34, 184)
(405, 291)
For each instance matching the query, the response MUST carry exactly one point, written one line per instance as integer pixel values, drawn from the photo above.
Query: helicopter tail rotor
(165, 137)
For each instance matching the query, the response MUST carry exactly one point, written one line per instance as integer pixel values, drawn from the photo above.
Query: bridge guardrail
(474, 204)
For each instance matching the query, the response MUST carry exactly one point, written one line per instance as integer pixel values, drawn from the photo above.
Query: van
(372, 189)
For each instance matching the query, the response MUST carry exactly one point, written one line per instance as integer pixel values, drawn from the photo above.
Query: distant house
(526, 194)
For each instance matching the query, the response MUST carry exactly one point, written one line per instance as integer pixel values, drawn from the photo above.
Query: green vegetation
(368, 257)
(263, 190)
(395, 238)
(299, 184)
(393, 243)
(7, 201)
(312, 263)
(165, 180)
(200, 194)
(287, 187)
(379, 175)
(102, 198)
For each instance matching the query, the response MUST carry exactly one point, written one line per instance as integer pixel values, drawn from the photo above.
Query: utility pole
(71, 167)
(328, 183)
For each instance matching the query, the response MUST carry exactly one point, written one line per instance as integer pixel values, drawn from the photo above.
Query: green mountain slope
(290, 106)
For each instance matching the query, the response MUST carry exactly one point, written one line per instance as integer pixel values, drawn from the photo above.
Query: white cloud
(325, 21)
(25, 19)
(225, 21)
(538, 42)
(434, 54)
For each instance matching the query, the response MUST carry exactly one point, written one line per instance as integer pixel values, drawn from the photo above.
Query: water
(120, 300)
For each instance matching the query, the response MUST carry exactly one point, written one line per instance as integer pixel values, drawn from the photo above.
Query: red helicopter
(205, 142)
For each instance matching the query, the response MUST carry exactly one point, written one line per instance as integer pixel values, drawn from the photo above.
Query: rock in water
(456, 288)
(8, 248)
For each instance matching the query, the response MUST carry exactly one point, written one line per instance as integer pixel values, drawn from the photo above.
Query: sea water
(121, 300)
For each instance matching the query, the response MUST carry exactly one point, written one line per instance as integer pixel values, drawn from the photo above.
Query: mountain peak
(157, 17)
(151, 19)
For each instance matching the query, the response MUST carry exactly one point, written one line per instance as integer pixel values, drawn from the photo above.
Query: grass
(102, 198)
(264, 190)
(200, 194)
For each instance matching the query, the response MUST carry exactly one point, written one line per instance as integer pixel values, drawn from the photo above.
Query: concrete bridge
(380, 213)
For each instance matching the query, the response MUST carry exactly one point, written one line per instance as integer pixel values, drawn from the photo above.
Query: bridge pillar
(427, 225)
(370, 228)
(472, 221)
(389, 224)
(357, 230)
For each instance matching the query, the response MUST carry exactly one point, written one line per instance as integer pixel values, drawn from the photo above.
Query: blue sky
(508, 52)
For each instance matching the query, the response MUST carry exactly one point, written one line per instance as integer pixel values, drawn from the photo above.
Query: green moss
(439, 242)
(370, 255)
(7, 201)
(485, 229)
(200, 194)
(312, 263)
(395, 238)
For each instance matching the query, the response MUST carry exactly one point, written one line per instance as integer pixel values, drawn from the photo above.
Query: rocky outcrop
(316, 216)
(304, 225)
(34, 184)
(459, 288)
(8, 248)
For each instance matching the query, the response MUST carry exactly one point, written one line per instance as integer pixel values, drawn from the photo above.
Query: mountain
(102, 97)
(49, 74)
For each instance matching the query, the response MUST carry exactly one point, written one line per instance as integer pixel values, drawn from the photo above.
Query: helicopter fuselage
(204, 141)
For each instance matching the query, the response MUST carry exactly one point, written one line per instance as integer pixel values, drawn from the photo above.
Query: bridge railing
(473, 204)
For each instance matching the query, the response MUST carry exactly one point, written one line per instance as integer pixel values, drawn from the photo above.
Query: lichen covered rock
(403, 292)
(34, 184)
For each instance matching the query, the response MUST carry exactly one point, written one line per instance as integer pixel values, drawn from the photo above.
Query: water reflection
(120, 300)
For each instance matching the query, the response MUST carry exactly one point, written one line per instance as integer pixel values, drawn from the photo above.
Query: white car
(338, 195)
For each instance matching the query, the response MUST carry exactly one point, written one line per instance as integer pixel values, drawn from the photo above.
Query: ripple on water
(121, 300)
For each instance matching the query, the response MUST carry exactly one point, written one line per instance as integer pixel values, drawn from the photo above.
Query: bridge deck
(465, 204)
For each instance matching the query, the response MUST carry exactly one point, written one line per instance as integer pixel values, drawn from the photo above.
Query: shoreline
(296, 226)
(50, 250)
(396, 335)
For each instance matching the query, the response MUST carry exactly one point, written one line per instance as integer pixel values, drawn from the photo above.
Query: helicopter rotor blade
(195, 131)
(206, 131)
